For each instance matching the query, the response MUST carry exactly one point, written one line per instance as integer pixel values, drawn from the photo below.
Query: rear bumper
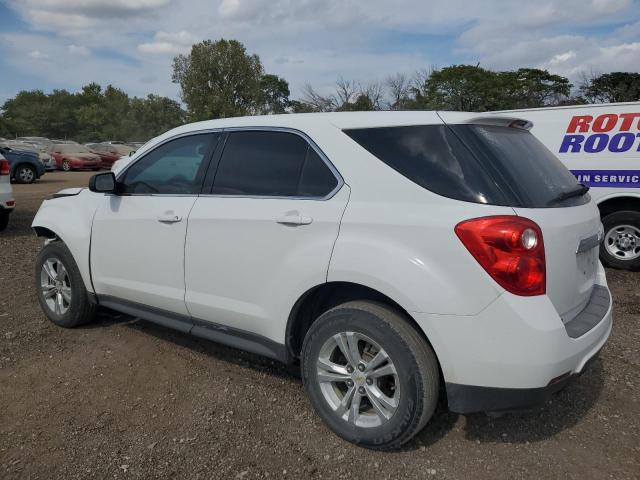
(516, 352)
(471, 398)
(7, 203)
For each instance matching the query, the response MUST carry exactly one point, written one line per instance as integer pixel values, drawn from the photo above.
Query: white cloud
(130, 42)
(562, 58)
(165, 42)
(38, 55)
(78, 50)
(70, 16)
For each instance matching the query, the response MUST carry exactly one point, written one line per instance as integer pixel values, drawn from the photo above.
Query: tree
(361, 104)
(399, 90)
(473, 88)
(93, 114)
(153, 115)
(532, 88)
(460, 87)
(26, 113)
(219, 79)
(611, 87)
(348, 95)
(313, 101)
(275, 94)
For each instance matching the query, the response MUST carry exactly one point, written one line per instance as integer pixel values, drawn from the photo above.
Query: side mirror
(103, 183)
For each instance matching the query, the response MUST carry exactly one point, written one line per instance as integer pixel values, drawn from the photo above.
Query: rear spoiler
(496, 120)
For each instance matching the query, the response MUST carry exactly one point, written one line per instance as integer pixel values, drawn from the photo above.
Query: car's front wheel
(60, 288)
(369, 374)
(66, 166)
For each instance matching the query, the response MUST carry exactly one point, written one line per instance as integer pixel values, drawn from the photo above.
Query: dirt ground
(124, 398)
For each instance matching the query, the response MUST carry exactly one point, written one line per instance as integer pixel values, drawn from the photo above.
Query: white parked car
(395, 255)
(7, 202)
(600, 144)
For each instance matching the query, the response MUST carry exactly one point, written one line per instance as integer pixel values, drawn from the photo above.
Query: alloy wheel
(55, 286)
(26, 175)
(358, 379)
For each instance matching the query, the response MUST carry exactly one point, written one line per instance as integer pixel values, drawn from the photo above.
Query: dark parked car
(25, 167)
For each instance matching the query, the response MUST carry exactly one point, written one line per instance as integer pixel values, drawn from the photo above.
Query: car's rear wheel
(60, 288)
(369, 374)
(24, 174)
(621, 244)
(66, 166)
(4, 219)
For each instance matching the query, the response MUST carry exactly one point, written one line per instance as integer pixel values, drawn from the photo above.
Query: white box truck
(600, 145)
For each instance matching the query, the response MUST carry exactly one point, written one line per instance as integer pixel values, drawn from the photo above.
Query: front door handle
(169, 217)
(294, 220)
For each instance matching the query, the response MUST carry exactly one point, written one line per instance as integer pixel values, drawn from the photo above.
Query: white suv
(7, 202)
(397, 256)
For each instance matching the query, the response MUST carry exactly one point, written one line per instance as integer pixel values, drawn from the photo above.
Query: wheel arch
(69, 219)
(619, 202)
(19, 164)
(44, 232)
(322, 298)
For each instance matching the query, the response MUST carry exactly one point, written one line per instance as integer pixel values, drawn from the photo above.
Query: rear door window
(271, 164)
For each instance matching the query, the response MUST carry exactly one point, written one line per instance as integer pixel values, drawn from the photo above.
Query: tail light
(510, 249)
(4, 167)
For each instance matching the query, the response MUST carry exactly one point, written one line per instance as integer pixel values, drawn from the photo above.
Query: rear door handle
(169, 217)
(294, 220)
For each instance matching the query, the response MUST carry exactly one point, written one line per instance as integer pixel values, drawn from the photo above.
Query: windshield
(474, 163)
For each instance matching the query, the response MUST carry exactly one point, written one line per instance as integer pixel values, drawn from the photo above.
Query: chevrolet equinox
(397, 256)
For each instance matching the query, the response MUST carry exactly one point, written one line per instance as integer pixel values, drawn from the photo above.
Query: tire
(4, 219)
(621, 245)
(24, 174)
(412, 388)
(79, 310)
(66, 166)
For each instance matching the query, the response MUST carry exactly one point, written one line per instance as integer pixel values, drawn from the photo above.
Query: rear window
(474, 163)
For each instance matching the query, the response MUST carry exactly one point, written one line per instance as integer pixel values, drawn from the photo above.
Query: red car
(73, 156)
(110, 153)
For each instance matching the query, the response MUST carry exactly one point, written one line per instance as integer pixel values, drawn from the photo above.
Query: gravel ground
(126, 399)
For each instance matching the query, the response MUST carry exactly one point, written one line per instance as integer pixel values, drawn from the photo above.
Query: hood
(68, 192)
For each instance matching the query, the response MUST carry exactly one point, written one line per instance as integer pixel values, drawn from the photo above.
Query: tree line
(221, 79)
(92, 114)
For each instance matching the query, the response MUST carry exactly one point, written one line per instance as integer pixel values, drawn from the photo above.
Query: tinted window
(521, 164)
(474, 163)
(433, 157)
(274, 164)
(176, 167)
(316, 179)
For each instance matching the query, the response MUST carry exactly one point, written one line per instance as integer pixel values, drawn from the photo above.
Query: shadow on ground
(562, 411)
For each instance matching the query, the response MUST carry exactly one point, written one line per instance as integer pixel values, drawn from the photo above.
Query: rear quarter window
(474, 163)
(433, 157)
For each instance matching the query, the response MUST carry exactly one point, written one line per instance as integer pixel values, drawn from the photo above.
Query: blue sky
(49, 44)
